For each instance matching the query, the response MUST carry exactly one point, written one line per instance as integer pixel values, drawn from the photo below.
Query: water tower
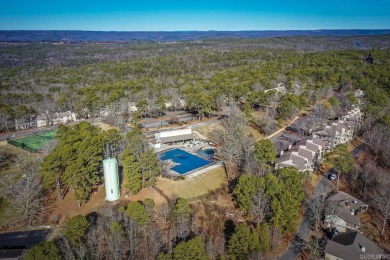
(111, 179)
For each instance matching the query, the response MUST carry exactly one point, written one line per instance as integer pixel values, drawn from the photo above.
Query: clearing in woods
(165, 190)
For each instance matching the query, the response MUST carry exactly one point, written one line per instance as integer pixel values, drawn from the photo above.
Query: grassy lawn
(34, 142)
(208, 129)
(250, 131)
(105, 126)
(192, 188)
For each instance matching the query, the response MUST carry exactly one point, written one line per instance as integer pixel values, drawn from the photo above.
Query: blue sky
(151, 15)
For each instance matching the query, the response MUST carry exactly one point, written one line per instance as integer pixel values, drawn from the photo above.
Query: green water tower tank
(111, 179)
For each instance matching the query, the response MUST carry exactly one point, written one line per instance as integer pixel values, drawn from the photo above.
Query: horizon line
(266, 30)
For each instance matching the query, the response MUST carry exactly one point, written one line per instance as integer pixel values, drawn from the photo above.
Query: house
(351, 246)
(174, 136)
(342, 212)
(65, 117)
(41, 121)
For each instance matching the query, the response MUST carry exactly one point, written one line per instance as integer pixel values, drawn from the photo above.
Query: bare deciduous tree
(231, 137)
(380, 198)
(25, 192)
(315, 207)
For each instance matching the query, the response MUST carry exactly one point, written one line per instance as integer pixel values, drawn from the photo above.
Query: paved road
(22, 239)
(304, 227)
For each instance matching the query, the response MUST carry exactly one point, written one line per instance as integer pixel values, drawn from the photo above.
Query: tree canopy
(76, 161)
(46, 250)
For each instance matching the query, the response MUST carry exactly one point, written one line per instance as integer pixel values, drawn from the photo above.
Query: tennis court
(34, 142)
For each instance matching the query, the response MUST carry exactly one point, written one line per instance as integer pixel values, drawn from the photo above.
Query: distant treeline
(104, 36)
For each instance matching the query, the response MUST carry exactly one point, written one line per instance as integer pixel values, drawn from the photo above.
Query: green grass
(34, 142)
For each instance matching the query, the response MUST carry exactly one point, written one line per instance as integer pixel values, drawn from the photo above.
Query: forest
(319, 73)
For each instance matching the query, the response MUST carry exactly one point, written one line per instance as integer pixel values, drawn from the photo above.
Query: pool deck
(201, 171)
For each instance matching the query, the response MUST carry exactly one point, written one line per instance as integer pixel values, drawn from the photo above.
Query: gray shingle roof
(349, 246)
(345, 204)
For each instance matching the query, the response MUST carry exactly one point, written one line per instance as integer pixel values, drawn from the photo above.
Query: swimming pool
(186, 161)
(207, 152)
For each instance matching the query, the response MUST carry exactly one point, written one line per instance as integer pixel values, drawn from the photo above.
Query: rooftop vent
(354, 201)
(363, 248)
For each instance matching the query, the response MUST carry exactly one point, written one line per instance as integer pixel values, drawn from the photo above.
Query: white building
(173, 136)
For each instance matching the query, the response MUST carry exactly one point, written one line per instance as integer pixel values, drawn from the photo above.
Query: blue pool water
(186, 161)
(207, 152)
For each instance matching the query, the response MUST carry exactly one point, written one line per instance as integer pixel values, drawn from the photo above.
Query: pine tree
(264, 238)
(239, 243)
(131, 171)
(191, 250)
(150, 168)
(76, 161)
(286, 194)
(265, 152)
(46, 250)
(137, 212)
(246, 189)
(255, 245)
(75, 228)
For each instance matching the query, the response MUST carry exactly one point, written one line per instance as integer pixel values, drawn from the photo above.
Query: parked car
(332, 176)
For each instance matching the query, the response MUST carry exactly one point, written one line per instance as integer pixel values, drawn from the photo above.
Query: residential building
(351, 246)
(303, 156)
(342, 212)
(339, 132)
(64, 117)
(355, 117)
(41, 121)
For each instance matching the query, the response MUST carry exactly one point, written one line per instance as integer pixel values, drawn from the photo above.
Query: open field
(207, 130)
(105, 126)
(250, 131)
(165, 190)
(68, 207)
(34, 142)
